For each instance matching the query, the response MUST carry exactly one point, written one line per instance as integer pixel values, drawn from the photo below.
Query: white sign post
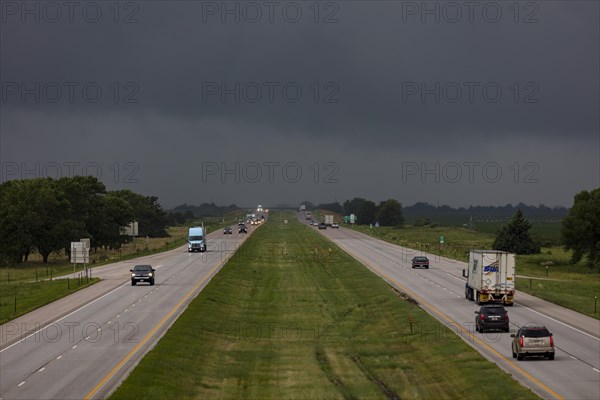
(80, 253)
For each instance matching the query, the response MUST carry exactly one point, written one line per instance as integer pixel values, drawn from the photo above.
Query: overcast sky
(246, 103)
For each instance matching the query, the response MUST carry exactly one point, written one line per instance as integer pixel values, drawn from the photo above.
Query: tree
(152, 220)
(581, 228)
(352, 206)
(389, 213)
(366, 212)
(515, 238)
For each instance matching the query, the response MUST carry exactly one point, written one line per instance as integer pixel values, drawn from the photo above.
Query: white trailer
(328, 220)
(490, 277)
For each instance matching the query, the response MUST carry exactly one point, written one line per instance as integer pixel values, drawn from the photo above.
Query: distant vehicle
(308, 215)
(328, 220)
(421, 262)
(490, 277)
(532, 341)
(259, 208)
(335, 225)
(315, 223)
(196, 239)
(142, 273)
(242, 229)
(491, 316)
(227, 230)
(322, 226)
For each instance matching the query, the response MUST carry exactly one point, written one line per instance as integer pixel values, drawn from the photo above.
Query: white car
(335, 225)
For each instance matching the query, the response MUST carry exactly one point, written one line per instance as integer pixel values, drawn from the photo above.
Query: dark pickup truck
(420, 261)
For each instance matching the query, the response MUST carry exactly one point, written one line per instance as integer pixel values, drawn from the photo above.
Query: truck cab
(196, 239)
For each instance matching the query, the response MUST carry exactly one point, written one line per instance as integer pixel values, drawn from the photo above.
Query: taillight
(521, 341)
(506, 316)
(551, 341)
(481, 317)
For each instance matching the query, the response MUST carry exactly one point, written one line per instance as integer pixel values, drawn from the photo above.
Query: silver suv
(532, 341)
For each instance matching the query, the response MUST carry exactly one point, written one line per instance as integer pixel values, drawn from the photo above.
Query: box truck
(196, 239)
(490, 277)
(328, 220)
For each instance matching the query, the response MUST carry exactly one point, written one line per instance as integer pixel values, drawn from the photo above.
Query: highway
(89, 341)
(575, 372)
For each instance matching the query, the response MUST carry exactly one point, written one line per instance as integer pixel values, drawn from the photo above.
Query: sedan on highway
(242, 229)
(335, 225)
(322, 226)
(532, 341)
(227, 230)
(142, 273)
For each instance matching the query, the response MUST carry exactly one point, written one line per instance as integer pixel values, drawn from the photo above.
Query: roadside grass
(19, 298)
(576, 286)
(291, 316)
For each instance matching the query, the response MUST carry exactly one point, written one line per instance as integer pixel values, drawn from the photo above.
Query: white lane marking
(21, 384)
(560, 322)
(573, 358)
(596, 369)
(59, 357)
(41, 369)
(74, 347)
(60, 319)
(108, 323)
(87, 338)
(118, 315)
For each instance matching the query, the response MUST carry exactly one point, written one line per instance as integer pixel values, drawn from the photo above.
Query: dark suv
(142, 273)
(491, 317)
(242, 229)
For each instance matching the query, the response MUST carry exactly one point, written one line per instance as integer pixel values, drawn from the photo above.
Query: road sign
(352, 218)
(441, 240)
(346, 218)
(79, 253)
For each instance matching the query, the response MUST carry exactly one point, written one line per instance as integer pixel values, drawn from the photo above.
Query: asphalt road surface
(575, 372)
(83, 345)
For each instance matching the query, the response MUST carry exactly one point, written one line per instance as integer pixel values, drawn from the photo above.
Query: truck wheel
(477, 297)
(152, 282)
(551, 356)
(519, 356)
(132, 282)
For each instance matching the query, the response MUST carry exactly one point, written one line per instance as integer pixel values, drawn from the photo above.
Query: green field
(290, 316)
(574, 285)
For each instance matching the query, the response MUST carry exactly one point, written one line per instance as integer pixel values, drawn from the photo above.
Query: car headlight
(150, 274)
(132, 274)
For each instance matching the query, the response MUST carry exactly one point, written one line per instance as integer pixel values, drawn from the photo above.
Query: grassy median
(291, 316)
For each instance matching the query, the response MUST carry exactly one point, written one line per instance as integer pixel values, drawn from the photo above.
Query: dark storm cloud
(376, 79)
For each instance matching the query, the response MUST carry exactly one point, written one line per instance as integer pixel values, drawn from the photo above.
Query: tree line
(386, 213)
(46, 215)
(580, 230)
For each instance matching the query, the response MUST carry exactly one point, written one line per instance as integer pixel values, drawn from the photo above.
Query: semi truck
(490, 277)
(328, 220)
(196, 239)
